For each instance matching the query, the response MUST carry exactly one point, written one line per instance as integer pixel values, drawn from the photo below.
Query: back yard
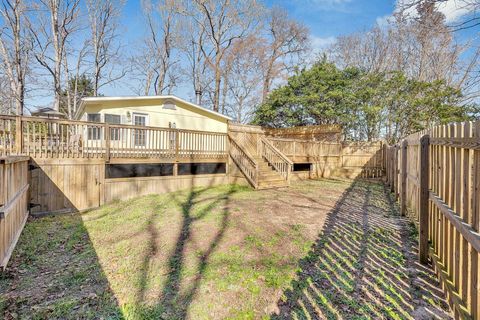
(319, 249)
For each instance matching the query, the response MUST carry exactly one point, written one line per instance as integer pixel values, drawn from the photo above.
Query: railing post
(293, 151)
(18, 135)
(107, 141)
(424, 197)
(403, 175)
(177, 143)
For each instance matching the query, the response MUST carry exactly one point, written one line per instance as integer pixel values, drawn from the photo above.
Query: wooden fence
(53, 138)
(364, 156)
(435, 175)
(13, 203)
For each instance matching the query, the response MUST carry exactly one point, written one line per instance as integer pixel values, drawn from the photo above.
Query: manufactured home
(151, 111)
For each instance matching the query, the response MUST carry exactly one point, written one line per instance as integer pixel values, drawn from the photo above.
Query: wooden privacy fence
(436, 176)
(367, 156)
(13, 203)
(53, 138)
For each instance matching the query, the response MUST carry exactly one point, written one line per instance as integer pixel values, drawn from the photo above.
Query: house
(152, 111)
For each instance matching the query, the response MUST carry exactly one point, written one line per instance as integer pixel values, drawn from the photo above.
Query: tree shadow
(363, 265)
(174, 299)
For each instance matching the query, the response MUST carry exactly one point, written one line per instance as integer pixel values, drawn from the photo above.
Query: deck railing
(275, 158)
(244, 161)
(294, 148)
(53, 138)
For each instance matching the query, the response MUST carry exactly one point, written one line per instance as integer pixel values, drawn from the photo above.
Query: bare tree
(14, 50)
(72, 75)
(222, 22)
(286, 40)
(421, 47)
(192, 38)
(103, 16)
(50, 34)
(154, 64)
(244, 86)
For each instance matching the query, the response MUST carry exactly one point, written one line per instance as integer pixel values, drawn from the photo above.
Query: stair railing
(244, 161)
(276, 159)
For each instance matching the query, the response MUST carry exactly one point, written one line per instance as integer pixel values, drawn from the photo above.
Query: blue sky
(328, 19)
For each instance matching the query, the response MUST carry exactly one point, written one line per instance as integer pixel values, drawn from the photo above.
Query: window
(139, 135)
(201, 168)
(114, 119)
(93, 132)
(138, 170)
(301, 166)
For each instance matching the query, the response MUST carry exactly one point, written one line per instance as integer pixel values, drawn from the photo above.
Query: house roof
(92, 100)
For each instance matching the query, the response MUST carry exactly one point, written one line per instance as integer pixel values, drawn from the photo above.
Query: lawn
(319, 249)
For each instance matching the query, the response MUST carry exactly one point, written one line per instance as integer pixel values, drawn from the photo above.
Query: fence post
(393, 155)
(424, 196)
(403, 172)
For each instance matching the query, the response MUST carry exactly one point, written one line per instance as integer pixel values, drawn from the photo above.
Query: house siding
(184, 116)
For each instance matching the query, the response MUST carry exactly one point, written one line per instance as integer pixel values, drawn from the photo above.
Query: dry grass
(320, 249)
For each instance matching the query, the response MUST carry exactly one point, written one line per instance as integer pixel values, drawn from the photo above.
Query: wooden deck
(53, 138)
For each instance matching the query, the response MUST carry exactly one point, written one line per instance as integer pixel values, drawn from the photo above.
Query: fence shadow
(363, 265)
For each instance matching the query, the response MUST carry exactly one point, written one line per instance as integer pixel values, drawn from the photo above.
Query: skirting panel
(127, 188)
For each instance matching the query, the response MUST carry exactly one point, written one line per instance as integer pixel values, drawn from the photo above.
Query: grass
(218, 253)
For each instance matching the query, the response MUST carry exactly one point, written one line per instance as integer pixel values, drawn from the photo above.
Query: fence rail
(436, 177)
(53, 138)
(13, 203)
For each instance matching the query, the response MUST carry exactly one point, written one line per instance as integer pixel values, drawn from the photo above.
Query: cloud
(452, 9)
(319, 44)
(383, 21)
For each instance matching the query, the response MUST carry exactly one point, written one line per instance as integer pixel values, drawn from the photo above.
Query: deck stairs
(263, 165)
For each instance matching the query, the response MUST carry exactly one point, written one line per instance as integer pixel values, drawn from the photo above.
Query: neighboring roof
(139, 98)
(47, 112)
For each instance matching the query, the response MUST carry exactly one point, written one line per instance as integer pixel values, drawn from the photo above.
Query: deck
(52, 138)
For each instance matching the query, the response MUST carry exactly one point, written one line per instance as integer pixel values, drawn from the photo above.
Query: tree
(286, 39)
(81, 87)
(319, 95)
(153, 65)
(103, 16)
(14, 51)
(50, 33)
(419, 45)
(368, 105)
(222, 22)
(244, 61)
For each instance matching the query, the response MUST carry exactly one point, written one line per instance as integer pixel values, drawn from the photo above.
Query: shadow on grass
(174, 300)
(55, 274)
(363, 265)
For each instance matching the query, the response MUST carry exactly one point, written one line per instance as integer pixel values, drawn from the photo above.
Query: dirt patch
(364, 266)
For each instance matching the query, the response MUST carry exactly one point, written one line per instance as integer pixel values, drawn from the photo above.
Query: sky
(326, 20)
